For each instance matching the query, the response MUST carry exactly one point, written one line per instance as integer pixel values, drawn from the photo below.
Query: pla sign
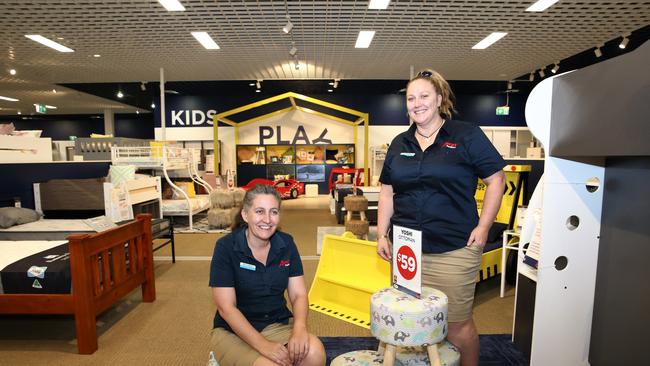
(407, 260)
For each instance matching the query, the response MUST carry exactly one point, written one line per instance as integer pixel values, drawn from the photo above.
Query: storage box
(534, 152)
(311, 190)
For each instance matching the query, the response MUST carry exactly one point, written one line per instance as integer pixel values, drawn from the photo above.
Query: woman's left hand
(478, 236)
(298, 345)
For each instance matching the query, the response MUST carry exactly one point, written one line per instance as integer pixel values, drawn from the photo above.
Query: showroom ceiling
(135, 38)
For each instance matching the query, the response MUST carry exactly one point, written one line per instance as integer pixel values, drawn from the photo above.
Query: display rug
(496, 349)
(199, 225)
(338, 230)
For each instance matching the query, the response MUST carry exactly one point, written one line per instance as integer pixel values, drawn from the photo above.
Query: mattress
(34, 267)
(46, 229)
(179, 207)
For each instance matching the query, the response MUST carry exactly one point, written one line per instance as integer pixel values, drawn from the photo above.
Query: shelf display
(310, 154)
(251, 154)
(339, 154)
(280, 154)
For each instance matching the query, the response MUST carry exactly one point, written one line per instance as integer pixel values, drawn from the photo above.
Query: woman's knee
(316, 354)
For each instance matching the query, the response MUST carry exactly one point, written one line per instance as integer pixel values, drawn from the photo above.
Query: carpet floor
(496, 349)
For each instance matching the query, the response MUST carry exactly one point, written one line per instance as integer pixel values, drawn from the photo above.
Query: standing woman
(428, 183)
(251, 269)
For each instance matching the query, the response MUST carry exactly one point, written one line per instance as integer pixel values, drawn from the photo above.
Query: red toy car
(288, 188)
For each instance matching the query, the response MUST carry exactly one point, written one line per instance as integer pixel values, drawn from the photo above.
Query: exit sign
(503, 111)
(40, 108)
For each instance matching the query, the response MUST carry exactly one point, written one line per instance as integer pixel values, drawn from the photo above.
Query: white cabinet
(514, 142)
(377, 157)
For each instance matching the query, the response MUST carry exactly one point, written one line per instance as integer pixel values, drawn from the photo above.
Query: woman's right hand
(383, 248)
(276, 352)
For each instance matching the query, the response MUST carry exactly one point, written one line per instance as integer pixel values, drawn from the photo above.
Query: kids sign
(407, 260)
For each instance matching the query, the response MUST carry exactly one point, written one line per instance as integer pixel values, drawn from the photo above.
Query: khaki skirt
(454, 273)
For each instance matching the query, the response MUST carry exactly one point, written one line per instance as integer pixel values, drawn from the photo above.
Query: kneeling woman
(250, 270)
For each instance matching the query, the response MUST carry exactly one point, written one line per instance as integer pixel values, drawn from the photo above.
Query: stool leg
(382, 344)
(363, 216)
(389, 355)
(348, 216)
(434, 358)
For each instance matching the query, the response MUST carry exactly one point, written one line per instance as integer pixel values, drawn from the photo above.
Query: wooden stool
(356, 205)
(401, 320)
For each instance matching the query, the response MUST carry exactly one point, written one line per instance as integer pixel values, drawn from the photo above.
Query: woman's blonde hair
(442, 87)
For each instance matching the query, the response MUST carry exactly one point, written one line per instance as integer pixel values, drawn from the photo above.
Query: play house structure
(307, 163)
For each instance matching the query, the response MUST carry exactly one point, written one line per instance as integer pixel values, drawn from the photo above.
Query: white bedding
(72, 225)
(12, 251)
(176, 207)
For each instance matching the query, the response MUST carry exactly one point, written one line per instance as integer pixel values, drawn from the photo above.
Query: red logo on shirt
(284, 263)
(449, 145)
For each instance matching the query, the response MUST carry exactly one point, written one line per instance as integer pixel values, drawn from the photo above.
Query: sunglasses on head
(425, 73)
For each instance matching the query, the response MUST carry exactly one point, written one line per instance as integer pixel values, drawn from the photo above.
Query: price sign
(407, 260)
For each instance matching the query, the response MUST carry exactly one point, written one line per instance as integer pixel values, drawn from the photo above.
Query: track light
(288, 27)
(120, 94)
(297, 65)
(153, 105)
(509, 85)
(598, 52)
(531, 77)
(143, 86)
(541, 73)
(336, 83)
(623, 43)
(556, 67)
(258, 84)
(293, 50)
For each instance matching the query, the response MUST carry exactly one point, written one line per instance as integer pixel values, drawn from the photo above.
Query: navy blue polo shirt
(259, 287)
(434, 189)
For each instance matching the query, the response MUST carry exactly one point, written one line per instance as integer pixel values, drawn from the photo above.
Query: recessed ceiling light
(378, 4)
(251, 84)
(258, 90)
(172, 5)
(489, 40)
(120, 94)
(12, 71)
(330, 90)
(288, 27)
(97, 55)
(541, 5)
(364, 39)
(153, 105)
(19, 112)
(205, 40)
(9, 99)
(49, 43)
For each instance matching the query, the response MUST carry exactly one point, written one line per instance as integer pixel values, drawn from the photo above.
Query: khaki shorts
(454, 273)
(230, 350)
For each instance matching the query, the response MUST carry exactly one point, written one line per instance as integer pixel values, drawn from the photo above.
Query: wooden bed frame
(97, 283)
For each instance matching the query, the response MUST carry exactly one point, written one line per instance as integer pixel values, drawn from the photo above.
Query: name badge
(247, 266)
(407, 154)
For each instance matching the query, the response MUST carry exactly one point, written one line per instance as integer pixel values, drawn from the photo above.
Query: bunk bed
(94, 272)
(166, 159)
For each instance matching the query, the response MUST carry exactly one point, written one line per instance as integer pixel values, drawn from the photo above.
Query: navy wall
(61, 127)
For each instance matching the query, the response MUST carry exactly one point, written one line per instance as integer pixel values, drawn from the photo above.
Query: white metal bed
(165, 159)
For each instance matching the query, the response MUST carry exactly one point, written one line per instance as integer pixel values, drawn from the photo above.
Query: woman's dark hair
(247, 202)
(442, 87)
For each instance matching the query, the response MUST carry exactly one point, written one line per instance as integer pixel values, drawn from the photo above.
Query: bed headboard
(96, 195)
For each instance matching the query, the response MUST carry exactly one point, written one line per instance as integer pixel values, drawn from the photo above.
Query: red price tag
(406, 263)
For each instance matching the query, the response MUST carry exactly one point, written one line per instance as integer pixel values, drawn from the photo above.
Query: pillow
(187, 187)
(10, 216)
(121, 173)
